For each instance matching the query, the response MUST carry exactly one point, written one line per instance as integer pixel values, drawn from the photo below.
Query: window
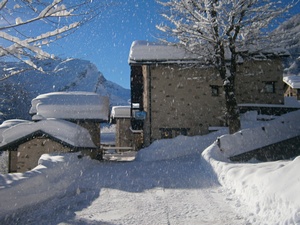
(269, 87)
(166, 133)
(214, 90)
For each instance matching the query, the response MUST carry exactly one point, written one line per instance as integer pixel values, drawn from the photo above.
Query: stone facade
(260, 82)
(26, 155)
(93, 128)
(182, 99)
(123, 134)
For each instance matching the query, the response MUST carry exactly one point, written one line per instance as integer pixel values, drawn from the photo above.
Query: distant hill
(17, 91)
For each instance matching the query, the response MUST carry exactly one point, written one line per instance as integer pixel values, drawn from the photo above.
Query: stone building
(182, 96)
(27, 141)
(125, 135)
(61, 122)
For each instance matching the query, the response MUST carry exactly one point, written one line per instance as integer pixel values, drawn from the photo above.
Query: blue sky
(106, 40)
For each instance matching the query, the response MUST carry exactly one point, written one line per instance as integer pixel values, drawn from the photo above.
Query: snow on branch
(56, 18)
(19, 45)
(55, 10)
(3, 3)
(242, 24)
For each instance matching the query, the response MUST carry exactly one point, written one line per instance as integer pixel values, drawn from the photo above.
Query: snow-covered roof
(70, 105)
(120, 112)
(152, 52)
(292, 81)
(9, 123)
(64, 131)
(144, 51)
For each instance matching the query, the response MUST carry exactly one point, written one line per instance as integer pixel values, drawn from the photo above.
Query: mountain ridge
(17, 91)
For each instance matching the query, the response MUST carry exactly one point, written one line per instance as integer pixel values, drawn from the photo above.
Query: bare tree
(218, 31)
(26, 26)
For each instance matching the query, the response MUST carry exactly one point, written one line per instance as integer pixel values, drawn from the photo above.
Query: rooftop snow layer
(70, 105)
(65, 131)
(292, 81)
(9, 123)
(144, 51)
(120, 112)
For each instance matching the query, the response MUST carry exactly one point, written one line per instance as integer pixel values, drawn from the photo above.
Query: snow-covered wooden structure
(181, 94)
(61, 122)
(292, 86)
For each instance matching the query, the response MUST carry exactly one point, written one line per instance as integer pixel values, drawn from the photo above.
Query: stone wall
(252, 78)
(27, 155)
(125, 137)
(187, 100)
(181, 101)
(123, 133)
(93, 128)
(282, 150)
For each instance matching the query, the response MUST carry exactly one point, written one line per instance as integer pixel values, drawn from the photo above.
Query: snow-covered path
(174, 181)
(178, 191)
(169, 192)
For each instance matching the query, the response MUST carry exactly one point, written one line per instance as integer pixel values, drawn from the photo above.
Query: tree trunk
(233, 116)
(228, 77)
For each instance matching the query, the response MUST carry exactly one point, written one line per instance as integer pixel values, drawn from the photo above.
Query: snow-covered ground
(185, 180)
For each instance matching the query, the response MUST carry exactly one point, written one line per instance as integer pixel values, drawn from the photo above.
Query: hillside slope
(291, 27)
(60, 75)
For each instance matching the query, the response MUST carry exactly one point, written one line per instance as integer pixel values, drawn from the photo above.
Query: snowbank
(271, 188)
(19, 190)
(181, 146)
(282, 128)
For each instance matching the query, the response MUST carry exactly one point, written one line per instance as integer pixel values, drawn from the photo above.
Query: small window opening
(269, 87)
(215, 90)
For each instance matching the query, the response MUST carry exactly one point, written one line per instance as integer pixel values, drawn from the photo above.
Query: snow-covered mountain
(292, 26)
(17, 91)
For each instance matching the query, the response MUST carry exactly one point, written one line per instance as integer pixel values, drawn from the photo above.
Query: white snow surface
(293, 81)
(150, 52)
(120, 112)
(70, 105)
(287, 126)
(185, 180)
(9, 123)
(65, 131)
(144, 51)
